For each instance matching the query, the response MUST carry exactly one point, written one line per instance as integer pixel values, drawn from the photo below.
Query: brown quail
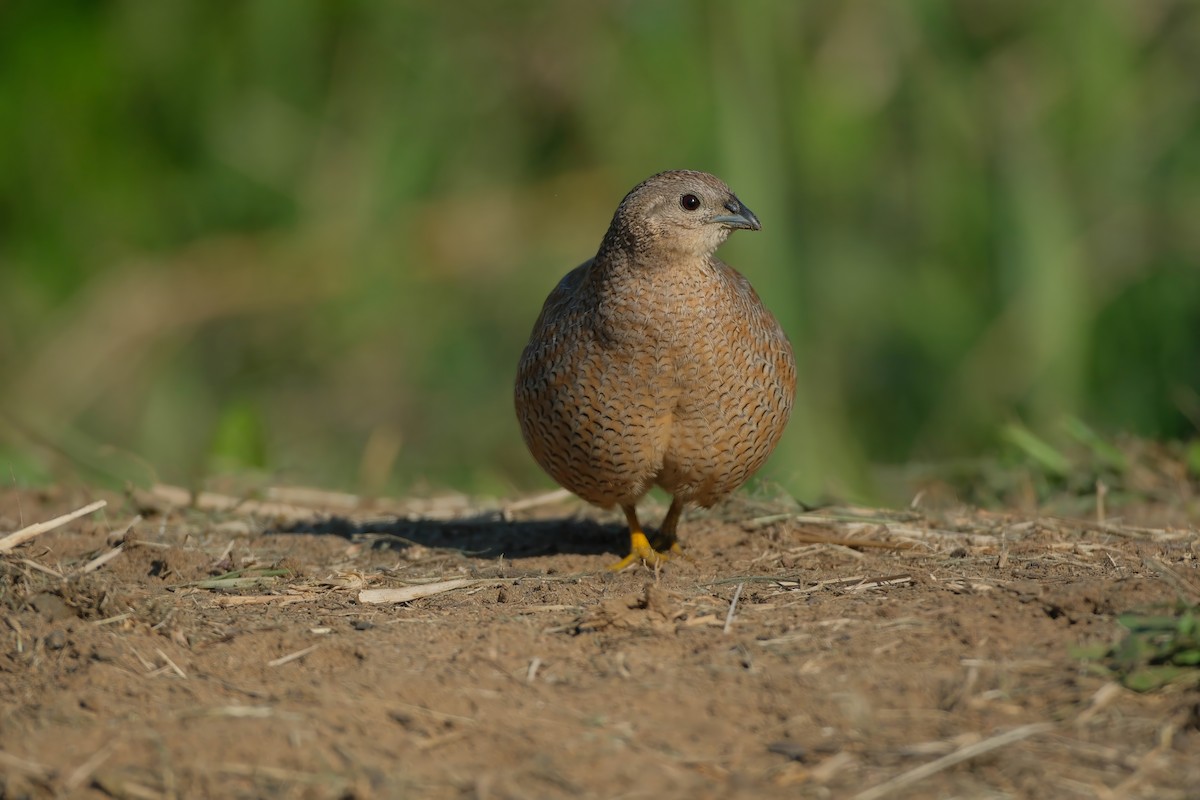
(654, 363)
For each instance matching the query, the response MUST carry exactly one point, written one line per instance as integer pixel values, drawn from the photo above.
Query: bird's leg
(639, 545)
(640, 548)
(668, 540)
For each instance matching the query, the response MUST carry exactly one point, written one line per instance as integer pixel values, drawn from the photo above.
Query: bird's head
(678, 213)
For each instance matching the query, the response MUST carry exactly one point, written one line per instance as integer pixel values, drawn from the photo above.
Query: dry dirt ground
(213, 651)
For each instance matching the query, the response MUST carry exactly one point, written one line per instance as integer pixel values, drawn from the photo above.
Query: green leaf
(1148, 679)
(1188, 658)
(1144, 623)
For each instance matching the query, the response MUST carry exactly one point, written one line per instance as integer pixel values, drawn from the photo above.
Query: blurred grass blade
(1036, 449)
(1101, 451)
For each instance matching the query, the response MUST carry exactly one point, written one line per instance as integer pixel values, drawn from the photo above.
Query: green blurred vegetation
(310, 238)
(1161, 647)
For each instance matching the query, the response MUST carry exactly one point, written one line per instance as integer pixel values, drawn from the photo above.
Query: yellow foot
(641, 551)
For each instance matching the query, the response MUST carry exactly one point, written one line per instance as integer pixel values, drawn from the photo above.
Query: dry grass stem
(102, 559)
(857, 583)
(1101, 700)
(314, 498)
(438, 741)
(224, 553)
(31, 769)
(42, 568)
(38, 528)
(151, 545)
(81, 774)
(440, 716)
(405, 594)
(856, 544)
(129, 790)
(732, 606)
(231, 601)
(906, 779)
(1099, 754)
(555, 607)
(1116, 529)
(164, 496)
(117, 536)
(1178, 582)
(293, 504)
(537, 501)
(174, 667)
(279, 662)
(238, 712)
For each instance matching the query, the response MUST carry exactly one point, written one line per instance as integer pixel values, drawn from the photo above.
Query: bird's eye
(689, 202)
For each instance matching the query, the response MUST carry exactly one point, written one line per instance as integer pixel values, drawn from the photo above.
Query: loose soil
(227, 650)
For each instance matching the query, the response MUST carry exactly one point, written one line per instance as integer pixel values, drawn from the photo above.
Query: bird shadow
(486, 535)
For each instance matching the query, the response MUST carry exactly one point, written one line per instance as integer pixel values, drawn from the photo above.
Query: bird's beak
(739, 216)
